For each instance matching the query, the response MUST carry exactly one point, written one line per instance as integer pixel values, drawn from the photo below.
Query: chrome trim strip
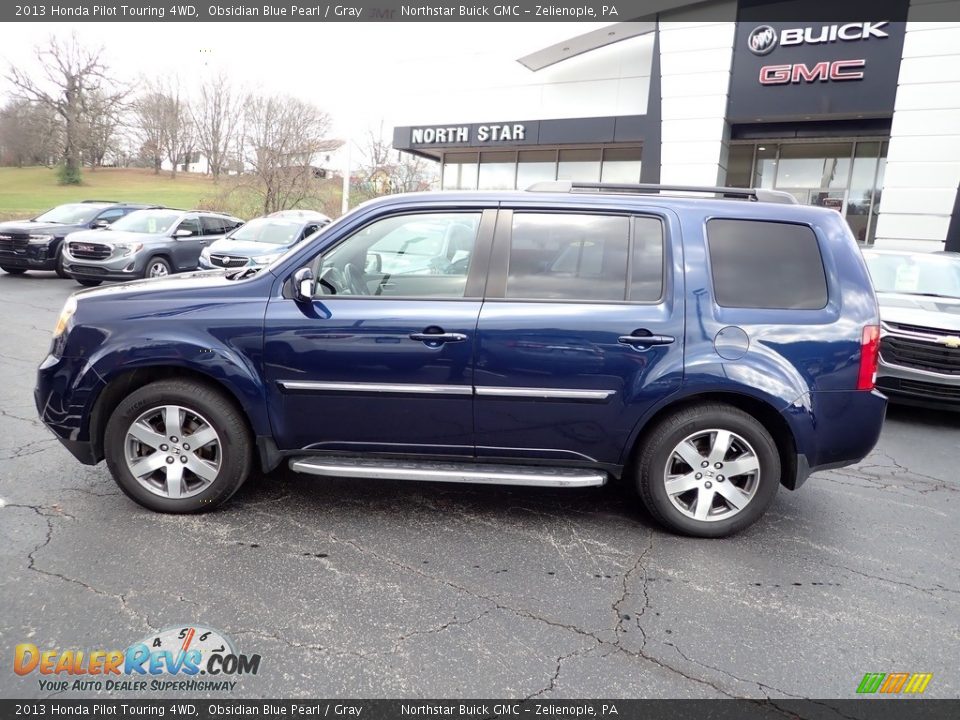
(449, 472)
(377, 387)
(910, 371)
(553, 393)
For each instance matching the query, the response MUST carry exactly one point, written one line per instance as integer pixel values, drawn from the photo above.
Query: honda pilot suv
(145, 244)
(703, 345)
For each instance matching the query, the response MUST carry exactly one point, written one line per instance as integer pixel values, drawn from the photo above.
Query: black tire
(88, 283)
(658, 449)
(12, 270)
(236, 458)
(156, 261)
(59, 268)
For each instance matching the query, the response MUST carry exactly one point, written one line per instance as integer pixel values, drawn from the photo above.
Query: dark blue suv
(704, 345)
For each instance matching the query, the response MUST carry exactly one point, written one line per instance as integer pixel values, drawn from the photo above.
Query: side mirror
(183, 233)
(374, 263)
(304, 285)
(99, 224)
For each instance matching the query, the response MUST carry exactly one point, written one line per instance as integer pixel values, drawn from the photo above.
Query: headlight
(266, 259)
(125, 249)
(39, 239)
(205, 253)
(69, 308)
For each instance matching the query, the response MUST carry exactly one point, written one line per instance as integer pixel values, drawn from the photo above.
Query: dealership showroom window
(860, 116)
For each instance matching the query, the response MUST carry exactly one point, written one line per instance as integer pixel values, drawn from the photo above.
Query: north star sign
(461, 134)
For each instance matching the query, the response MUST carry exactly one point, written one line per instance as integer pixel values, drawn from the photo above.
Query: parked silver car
(919, 296)
(146, 243)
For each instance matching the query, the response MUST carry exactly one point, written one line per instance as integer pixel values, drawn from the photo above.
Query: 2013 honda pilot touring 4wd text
(702, 345)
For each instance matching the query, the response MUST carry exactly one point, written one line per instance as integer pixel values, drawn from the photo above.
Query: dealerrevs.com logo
(174, 659)
(762, 40)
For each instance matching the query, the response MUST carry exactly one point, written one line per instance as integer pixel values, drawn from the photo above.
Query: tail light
(869, 356)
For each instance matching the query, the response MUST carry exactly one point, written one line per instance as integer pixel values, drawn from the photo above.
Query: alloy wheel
(173, 451)
(712, 475)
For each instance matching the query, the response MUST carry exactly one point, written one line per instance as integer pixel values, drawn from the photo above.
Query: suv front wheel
(708, 471)
(156, 267)
(178, 447)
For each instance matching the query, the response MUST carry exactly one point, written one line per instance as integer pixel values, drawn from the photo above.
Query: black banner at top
(534, 709)
(466, 11)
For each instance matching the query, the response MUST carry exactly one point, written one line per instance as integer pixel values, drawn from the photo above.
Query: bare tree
(216, 118)
(384, 171)
(30, 134)
(98, 132)
(282, 138)
(161, 119)
(70, 75)
(150, 126)
(179, 135)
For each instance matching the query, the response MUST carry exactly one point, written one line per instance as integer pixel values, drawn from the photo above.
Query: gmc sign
(822, 71)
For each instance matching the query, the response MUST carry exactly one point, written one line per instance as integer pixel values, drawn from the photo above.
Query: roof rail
(753, 194)
(99, 201)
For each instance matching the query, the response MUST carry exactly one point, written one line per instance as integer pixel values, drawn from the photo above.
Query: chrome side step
(457, 472)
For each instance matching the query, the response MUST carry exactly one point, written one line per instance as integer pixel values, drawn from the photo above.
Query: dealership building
(860, 114)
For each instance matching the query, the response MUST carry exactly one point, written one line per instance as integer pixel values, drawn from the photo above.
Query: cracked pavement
(382, 589)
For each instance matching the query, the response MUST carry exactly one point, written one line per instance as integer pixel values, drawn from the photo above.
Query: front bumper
(33, 257)
(63, 395)
(913, 386)
(125, 268)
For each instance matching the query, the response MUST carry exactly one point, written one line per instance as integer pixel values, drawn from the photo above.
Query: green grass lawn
(26, 192)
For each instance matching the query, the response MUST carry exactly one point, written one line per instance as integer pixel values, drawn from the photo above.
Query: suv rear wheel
(708, 471)
(178, 447)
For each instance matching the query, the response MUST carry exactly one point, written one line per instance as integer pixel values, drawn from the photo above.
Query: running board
(461, 472)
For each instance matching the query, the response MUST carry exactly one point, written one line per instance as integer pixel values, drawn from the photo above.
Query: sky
(360, 73)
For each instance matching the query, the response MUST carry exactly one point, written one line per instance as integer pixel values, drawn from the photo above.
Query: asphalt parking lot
(381, 589)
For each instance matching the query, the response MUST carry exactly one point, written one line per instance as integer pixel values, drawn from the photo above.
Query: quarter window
(556, 256)
(762, 264)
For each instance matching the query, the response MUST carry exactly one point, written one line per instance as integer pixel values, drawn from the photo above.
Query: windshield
(73, 214)
(915, 273)
(152, 222)
(271, 231)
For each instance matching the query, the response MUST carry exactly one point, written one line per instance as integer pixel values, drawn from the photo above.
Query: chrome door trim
(377, 387)
(549, 393)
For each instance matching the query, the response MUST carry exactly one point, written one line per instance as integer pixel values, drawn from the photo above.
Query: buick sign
(762, 40)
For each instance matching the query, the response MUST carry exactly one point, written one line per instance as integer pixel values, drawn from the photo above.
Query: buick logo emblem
(762, 40)
(225, 259)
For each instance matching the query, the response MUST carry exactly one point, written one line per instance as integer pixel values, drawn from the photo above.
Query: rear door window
(212, 225)
(765, 264)
(569, 256)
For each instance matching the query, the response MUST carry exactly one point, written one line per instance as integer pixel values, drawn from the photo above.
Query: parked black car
(35, 244)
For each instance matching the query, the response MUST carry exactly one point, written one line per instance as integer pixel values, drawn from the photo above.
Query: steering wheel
(332, 279)
(354, 280)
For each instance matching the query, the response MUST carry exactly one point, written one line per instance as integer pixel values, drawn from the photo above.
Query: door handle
(440, 337)
(647, 340)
